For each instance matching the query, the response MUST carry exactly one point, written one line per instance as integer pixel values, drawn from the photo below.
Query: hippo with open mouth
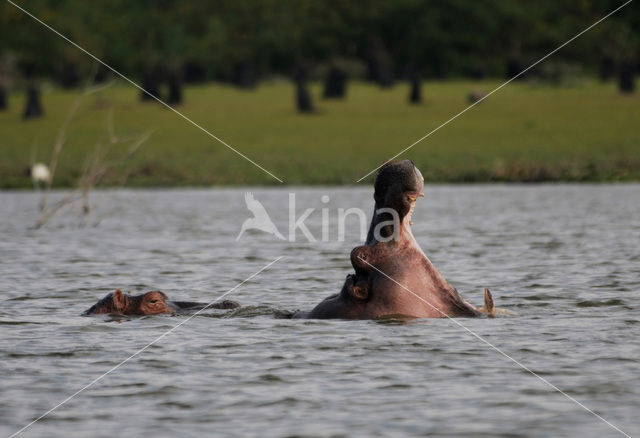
(149, 303)
(393, 276)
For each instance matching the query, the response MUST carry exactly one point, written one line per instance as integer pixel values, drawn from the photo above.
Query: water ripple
(564, 256)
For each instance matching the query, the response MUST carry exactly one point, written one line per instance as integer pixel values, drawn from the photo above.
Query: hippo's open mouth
(413, 200)
(392, 275)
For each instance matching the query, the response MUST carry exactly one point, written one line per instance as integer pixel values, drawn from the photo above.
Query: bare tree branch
(95, 166)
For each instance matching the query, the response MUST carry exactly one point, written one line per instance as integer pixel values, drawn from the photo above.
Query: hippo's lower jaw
(353, 302)
(343, 305)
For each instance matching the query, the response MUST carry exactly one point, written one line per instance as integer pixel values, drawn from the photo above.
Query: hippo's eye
(153, 301)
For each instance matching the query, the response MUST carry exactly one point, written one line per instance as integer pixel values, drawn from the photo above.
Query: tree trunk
(151, 84)
(336, 83)
(415, 97)
(102, 74)
(416, 91)
(626, 82)
(4, 104)
(68, 76)
(175, 88)
(380, 68)
(514, 68)
(243, 75)
(194, 72)
(386, 76)
(33, 107)
(607, 68)
(5, 82)
(303, 97)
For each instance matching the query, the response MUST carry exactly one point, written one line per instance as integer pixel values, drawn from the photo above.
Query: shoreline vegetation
(526, 132)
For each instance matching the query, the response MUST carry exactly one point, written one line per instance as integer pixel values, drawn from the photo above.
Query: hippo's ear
(488, 302)
(359, 292)
(119, 302)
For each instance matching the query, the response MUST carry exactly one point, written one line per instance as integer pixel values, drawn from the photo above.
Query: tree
(33, 106)
(174, 80)
(5, 79)
(336, 83)
(164, 42)
(626, 79)
(4, 102)
(415, 96)
(151, 80)
(304, 102)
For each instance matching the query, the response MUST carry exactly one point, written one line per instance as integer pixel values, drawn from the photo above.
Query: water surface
(565, 258)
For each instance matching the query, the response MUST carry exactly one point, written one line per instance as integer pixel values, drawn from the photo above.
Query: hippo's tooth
(421, 195)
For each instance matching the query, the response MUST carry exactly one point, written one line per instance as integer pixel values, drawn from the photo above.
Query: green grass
(521, 133)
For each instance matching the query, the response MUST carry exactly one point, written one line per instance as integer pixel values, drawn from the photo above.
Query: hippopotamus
(393, 276)
(150, 303)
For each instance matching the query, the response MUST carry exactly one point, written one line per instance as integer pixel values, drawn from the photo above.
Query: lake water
(565, 258)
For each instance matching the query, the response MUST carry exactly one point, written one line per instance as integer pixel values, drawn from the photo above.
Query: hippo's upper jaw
(398, 185)
(393, 276)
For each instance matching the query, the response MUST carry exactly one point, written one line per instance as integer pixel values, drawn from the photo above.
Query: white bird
(260, 220)
(40, 174)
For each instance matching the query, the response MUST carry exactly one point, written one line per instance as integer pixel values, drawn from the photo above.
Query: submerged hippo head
(150, 303)
(392, 274)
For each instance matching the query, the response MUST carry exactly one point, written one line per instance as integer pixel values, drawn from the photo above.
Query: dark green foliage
(242, 41)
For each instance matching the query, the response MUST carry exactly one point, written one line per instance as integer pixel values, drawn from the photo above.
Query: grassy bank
(521, 133)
